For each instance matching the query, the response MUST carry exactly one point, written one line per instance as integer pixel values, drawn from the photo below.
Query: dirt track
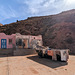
(33, 65)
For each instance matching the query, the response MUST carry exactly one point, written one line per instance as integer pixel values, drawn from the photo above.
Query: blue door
(3, 43)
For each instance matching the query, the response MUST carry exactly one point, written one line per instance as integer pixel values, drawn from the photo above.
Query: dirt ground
(33, 65)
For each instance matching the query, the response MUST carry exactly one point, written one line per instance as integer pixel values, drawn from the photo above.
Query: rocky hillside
(1, 24)
(58, 31)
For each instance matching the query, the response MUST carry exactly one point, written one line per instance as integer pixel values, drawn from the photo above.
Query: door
(3, 43)
(25, 43)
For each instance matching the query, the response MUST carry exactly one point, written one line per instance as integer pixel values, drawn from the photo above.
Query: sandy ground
(33, 65)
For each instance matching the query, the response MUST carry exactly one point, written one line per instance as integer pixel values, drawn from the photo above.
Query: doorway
(25, 43)
(3, 43)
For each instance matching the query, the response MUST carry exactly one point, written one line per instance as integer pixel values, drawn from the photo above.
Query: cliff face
(58, 31)
(1, 24)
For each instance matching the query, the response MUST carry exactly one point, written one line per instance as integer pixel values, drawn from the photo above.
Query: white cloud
(47, 7)
(6, 12)
(35, 8)
(43, 7)
(69, 4)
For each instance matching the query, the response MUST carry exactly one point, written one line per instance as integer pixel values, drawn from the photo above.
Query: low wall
(20, 52)
(6, 51)
(17, 52)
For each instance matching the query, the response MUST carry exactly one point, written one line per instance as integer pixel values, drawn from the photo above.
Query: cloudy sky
(12, 10)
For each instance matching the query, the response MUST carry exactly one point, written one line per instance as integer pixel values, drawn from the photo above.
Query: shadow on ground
(47, 62)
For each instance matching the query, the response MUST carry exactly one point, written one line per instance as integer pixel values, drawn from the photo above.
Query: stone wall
(17, 52)
(20, 52)
(6, 51)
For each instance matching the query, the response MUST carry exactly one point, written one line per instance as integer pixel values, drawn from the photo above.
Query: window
(34, 37)
(10, 41)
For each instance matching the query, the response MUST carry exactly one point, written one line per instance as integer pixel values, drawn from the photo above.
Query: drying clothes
(63, 55)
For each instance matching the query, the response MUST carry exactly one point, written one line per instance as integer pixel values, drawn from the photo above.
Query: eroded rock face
(58, 31)
(1, 24)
